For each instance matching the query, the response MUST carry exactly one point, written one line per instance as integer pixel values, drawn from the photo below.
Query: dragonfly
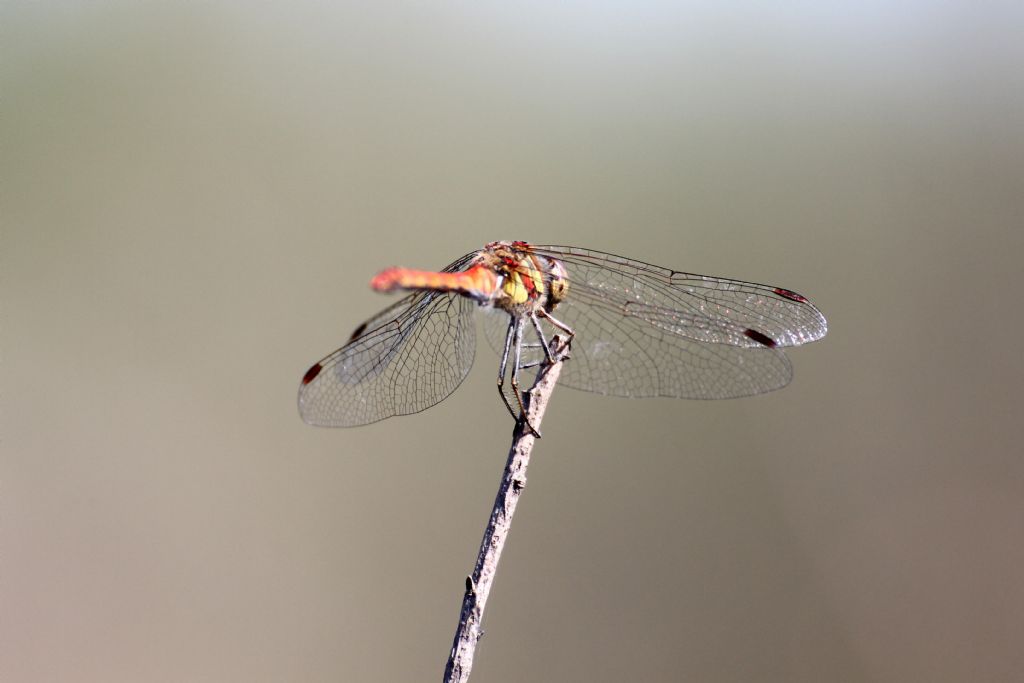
(627, 328)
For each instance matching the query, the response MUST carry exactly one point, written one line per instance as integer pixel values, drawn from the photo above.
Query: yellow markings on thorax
(523, 281)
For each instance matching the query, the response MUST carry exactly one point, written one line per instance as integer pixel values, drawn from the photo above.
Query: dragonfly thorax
(526, 281)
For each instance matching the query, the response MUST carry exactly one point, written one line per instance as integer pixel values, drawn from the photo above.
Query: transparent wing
(700, 307)
(642, 330)
(408, 357)
(618, 355)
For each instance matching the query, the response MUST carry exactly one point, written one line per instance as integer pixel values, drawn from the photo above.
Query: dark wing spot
(789, 294)
(358, 333)
(311, 374)
(760, 338)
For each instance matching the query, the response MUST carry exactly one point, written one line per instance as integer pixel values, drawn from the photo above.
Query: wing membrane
(700, 307)
(408, 357)
(642, 330)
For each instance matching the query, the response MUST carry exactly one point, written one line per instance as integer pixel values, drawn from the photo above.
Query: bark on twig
(513, 480)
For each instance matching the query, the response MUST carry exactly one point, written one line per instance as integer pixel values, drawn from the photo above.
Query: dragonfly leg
(515, 377)
(543, 339)
(509, 335)
(562, 326)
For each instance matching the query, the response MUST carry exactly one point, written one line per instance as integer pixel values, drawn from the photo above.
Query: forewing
(698, 307)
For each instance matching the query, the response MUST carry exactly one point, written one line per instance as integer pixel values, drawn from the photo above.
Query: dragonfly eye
(559, 287)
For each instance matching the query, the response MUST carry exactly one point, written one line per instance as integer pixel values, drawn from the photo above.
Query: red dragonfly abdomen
(477, 282)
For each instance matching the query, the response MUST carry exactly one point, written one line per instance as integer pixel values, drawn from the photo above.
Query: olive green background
(195, 196)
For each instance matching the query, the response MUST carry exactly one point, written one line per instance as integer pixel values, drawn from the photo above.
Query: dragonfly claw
(533, 430)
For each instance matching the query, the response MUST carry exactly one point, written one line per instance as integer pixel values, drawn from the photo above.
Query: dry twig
(513, 481)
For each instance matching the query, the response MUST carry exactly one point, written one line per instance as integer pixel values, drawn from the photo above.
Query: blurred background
(197, 194)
